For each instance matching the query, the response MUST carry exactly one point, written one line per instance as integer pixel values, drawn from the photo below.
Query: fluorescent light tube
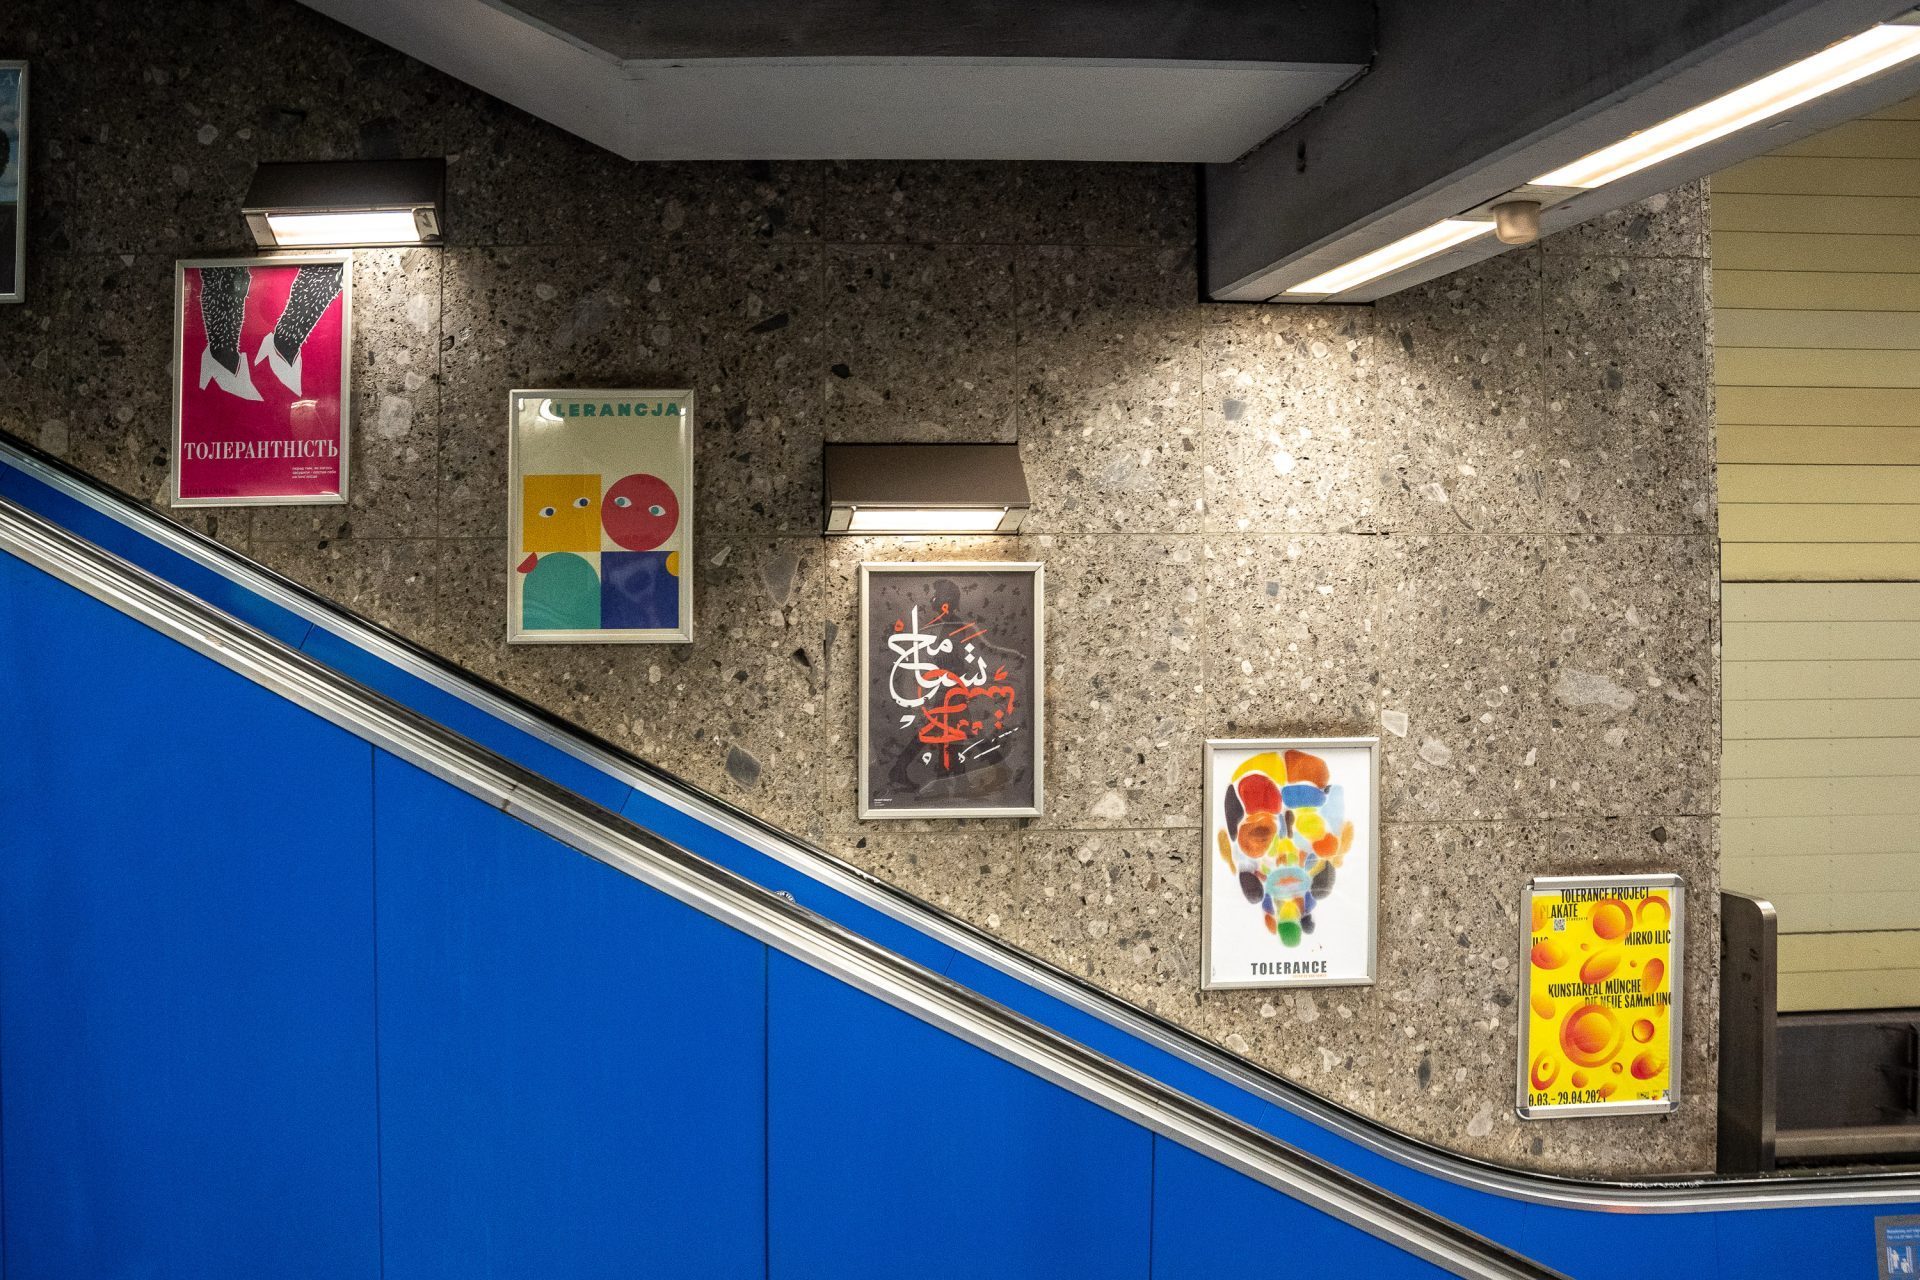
(925, 520)
(326, 230)
(1866, 54)
(1388, 259)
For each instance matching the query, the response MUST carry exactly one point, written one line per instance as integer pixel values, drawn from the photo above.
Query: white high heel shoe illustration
(289, 374)
(235, 382)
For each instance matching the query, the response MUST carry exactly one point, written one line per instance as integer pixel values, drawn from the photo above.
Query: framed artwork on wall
(13, 181)
(1289, 894)
(600, 517)
(953, 688)
(262, 374)
(1601, 1031)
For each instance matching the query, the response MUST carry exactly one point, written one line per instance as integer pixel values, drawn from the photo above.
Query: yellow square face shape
(560, 513)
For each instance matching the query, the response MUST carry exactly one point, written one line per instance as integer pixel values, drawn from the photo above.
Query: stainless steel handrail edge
(738, 902)
(1679, 1194)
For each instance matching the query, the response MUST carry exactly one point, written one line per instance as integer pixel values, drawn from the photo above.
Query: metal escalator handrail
(748, 907)
(1680, 1194)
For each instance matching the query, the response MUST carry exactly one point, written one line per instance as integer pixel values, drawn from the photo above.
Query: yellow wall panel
(1814, 367)
(1816, 284)
(1820, 176)
(1820, 290)
(1844, 215)
(1820, 561)
(1857, 407)
(1870, 137)
(1784, 327)
(1819, 445)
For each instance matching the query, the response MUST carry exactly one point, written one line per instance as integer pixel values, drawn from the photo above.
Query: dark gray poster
(13, 181)
(952, 681)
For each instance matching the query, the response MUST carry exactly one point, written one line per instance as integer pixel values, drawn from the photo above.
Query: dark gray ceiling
(1161, 30)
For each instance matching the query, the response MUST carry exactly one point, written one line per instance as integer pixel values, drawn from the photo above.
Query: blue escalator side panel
(573, 1065)
(469, 721)
(899, 1150)
(136, 548)
(1210, 1221)
(186, 982)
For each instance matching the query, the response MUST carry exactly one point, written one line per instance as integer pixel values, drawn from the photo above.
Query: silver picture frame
(1369, 973)
(181, 374)
(1669, 882)
(19, 162)
(688, 441)
(1037, 571)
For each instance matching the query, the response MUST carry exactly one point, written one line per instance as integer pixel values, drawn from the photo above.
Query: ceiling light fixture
(1852, 60)
(1404, 252)
(338, 204)
(924, 488)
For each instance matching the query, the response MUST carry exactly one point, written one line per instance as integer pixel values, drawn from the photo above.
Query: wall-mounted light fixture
(1514, 218)
(924, 488)
(1868, 54)
(341, 204)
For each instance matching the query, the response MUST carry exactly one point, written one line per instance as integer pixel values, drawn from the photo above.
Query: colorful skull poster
(262, 368)
(1291, 855)
(600, 522)
(1602, 1024)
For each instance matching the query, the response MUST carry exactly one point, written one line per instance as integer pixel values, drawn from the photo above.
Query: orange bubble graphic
(1579, 1079)
(1655, 913)
(1542, 1007)
(1615, 1068)
(1647, 1064)
(1606, 1090)
(1590, 1035)
(1655, 974)
(1545, 1071)
(1601, 963)
(1643, 1031)
(1610, 919)
(1549, 954)
(1539, 914)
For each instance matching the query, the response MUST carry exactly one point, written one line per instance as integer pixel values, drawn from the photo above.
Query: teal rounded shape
(561, 593)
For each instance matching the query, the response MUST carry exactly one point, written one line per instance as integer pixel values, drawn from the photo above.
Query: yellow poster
(1601, 1031)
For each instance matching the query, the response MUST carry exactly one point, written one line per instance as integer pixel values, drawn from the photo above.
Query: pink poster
(261, 394)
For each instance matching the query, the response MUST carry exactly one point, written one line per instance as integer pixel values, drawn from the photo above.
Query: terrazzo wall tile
(1474, 520)
(918, 342)
(1460, 401)
(1629, 377)
(1289, 444)
(1109, 374)
(1634, 689)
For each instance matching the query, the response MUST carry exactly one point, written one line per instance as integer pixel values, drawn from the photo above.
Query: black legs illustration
(223, 307)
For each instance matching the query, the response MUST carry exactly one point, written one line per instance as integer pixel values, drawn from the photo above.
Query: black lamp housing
(338, 204)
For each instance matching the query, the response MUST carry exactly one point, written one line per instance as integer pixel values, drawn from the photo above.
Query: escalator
(319, 957)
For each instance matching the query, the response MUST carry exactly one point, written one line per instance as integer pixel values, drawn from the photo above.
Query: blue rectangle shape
(1210, 1221)
(572, 1063)
(896, 1150)
(186, 961)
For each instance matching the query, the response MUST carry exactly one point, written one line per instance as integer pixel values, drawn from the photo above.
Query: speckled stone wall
(1476, 519)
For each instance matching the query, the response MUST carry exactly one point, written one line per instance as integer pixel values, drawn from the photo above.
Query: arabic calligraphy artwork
(600, 517)
(951, 669)
(1288, 894)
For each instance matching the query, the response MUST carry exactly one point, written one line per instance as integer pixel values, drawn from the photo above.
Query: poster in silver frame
(1602, 980)
(13, 182)
(1290, 883)
(600, 501)
(952, 690)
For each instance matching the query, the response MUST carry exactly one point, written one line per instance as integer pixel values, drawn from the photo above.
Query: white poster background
(1237, 941)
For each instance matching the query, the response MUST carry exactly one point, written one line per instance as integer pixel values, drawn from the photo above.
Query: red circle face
(640, 512)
